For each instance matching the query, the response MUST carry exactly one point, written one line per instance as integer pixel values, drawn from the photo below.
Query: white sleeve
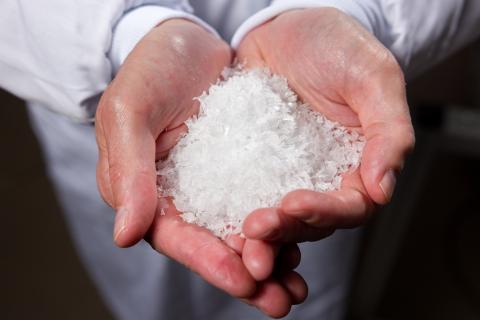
(419, 33)
(63, 54)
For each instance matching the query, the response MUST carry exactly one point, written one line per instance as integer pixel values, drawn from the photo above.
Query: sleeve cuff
(349, 7)
(138, 22)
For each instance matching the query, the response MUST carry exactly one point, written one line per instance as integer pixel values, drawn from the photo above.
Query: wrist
(363, 13)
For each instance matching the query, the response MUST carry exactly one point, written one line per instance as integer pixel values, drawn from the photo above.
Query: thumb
(383, 112)
(127, 158)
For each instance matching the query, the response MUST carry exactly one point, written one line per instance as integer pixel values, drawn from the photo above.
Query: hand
(220, 263)
(141, 114)
(341, 70)
(139, 118)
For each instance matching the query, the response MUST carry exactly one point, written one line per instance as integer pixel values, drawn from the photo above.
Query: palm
(339, 69)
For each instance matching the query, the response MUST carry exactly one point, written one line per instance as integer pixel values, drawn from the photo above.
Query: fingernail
(387, 184)
(120, 223)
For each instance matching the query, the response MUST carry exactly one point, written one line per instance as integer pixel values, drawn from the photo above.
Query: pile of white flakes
(251, 144)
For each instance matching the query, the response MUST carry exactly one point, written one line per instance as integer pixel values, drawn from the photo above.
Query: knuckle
(222, 269)
(111, 112)
(405, 137)
(114, 173)
(391, 63)
(115, 108)
(385, 67)
(387, 62)
(409, 141)
(400, 132)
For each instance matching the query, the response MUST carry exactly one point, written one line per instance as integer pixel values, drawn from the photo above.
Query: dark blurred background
(420, 258)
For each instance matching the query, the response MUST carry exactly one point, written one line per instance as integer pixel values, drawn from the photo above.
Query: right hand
(341, 70)
(139, 118)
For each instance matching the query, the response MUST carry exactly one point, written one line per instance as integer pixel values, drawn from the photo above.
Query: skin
(332, 63)
(139, 118)
(341, 70)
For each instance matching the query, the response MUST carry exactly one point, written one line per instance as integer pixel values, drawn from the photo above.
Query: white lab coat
(60, 55)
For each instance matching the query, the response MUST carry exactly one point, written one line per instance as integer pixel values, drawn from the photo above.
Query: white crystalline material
(252, 143)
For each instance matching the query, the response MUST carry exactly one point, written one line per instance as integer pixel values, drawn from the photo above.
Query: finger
(168, 139)
(130, 151)
(345, 208)
(383, 158)
(289, 257)
(259, 258)
(202, 252)
(272, 299)
(272, 224)
(295, 285)
(236, 243)
(380, 101)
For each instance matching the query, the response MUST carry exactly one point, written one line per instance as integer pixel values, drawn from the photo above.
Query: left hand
(341, 70)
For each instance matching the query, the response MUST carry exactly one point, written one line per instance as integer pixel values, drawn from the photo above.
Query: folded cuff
(349, 7)
(137, 23)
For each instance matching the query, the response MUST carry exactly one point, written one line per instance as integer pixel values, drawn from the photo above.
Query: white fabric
(419, 33)
(56, 52)
(136, 23)
(277, 7)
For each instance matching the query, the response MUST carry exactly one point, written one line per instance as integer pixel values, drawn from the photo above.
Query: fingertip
(131, 226)
(387, 185)
(134, 217)
(129, 236)
(259, 258)
(125, 240)
(127, 232)
(272, 299)
(296, 286)
(384, 156)
(380, 184)
(121, 219)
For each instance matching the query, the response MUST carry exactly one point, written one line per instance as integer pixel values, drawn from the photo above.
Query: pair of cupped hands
(332, 63)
